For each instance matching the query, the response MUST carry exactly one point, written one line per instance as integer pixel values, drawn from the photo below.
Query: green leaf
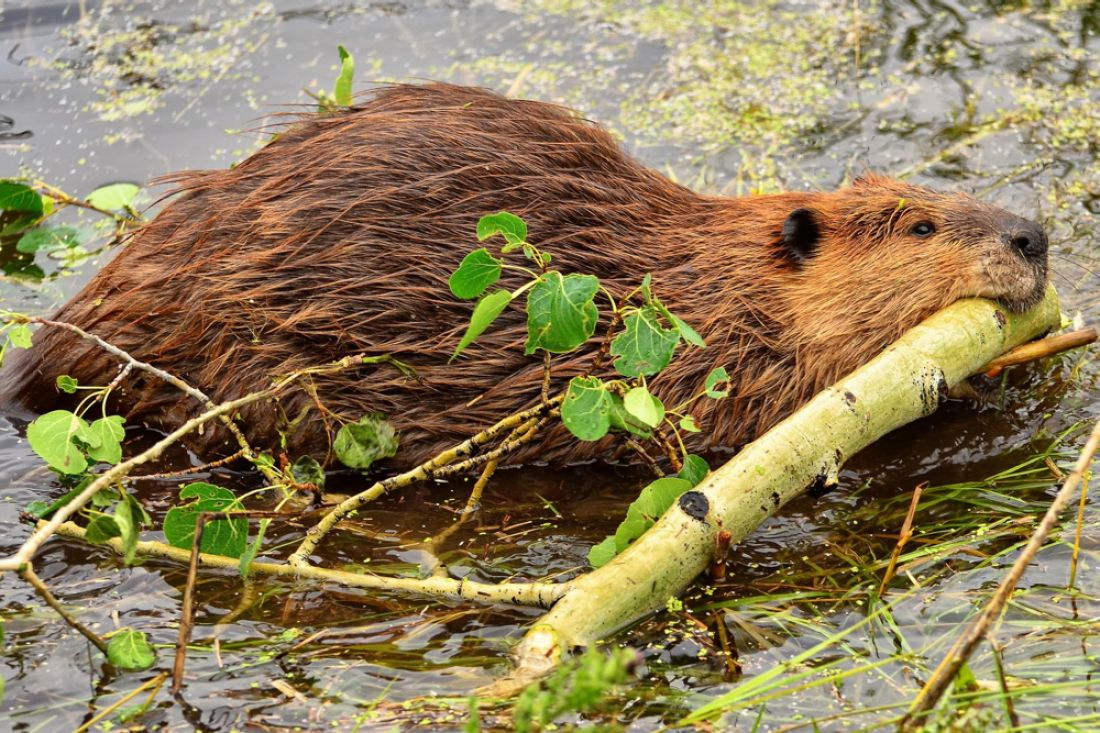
(104, 438)
(341, 92)
(623, 421)
(687, 333)
(19, 224)
(253, 549)
(228, 537)
(510, 226)
(602, 553)
(642, 514)
(687, 422)
(586, 409)
(101, 529)
(649, 410)
(560, 313)
(49, 239)
(695, 469)
(130, 516)
(129, 649)
(52, 436)
(717, 376)
(66, 384)
(113, 197)
(20, 336)
(306, 470)
(106, 497)
(485, 312)
(20, 197)
(478, 271)
(38, 509)
(656, 498)
(42, 510)
(360, 444)
(645, 347)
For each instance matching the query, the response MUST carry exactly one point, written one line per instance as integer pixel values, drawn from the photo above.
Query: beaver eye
(923, 229)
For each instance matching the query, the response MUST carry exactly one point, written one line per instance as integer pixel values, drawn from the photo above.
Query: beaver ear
(801, 234)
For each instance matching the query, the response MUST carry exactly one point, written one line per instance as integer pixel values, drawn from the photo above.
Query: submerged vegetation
(829, 623)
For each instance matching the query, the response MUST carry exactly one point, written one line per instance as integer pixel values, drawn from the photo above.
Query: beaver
(338, 237)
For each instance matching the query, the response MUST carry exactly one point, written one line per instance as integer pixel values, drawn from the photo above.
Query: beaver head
(874, 259)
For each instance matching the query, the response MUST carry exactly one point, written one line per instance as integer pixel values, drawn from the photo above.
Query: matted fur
(339, 237)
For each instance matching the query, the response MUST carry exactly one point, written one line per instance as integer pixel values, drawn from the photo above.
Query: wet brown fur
(339, 237)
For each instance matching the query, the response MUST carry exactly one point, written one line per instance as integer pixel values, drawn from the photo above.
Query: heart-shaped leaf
(114, 197)
(561, 314)
(478, 271)
(645, 347)
(586, 409)
(508, 225)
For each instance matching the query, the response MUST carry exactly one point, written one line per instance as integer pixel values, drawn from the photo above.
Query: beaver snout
(1027, 238)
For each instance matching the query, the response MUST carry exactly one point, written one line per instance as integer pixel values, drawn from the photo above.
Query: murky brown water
(1001, 98)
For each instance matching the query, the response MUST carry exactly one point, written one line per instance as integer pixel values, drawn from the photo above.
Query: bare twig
(171, 379)
(903, 538)
(669, 449)
(44, 592)
(1006, 697)
(729, 652)
(721, 553)
(193, 469)
(605, 344)
(187, 617)
(649, 460)
(1034, 350)
(545, 377)
(435, 468)
(152, 685)
(539, 595)
(1076, 556)
(945, 673)
(23, 556)
(63, 198)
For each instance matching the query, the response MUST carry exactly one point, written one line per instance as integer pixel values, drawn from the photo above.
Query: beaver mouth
(1019, 300)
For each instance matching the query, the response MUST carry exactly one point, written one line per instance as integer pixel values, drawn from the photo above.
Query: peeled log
(909, 380)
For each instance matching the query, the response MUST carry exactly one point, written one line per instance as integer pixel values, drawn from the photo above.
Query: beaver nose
(1027, 238)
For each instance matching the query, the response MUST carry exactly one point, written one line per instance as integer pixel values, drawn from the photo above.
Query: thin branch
(63, 198)
(945, 673)
(171, 379)
(1034, 350)
(153, 685)
(23, 556)
(193, 469)
(187, 615)
(430, 469)
(538, 595)
(40, 587)
(904, 536)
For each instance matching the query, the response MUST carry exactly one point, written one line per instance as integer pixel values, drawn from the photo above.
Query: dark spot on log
(776, 498)
(820, 487)
(1000, 318)
(849, 397)
(695, 505)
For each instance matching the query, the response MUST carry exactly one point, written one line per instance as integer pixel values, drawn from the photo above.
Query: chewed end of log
(539, 654)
